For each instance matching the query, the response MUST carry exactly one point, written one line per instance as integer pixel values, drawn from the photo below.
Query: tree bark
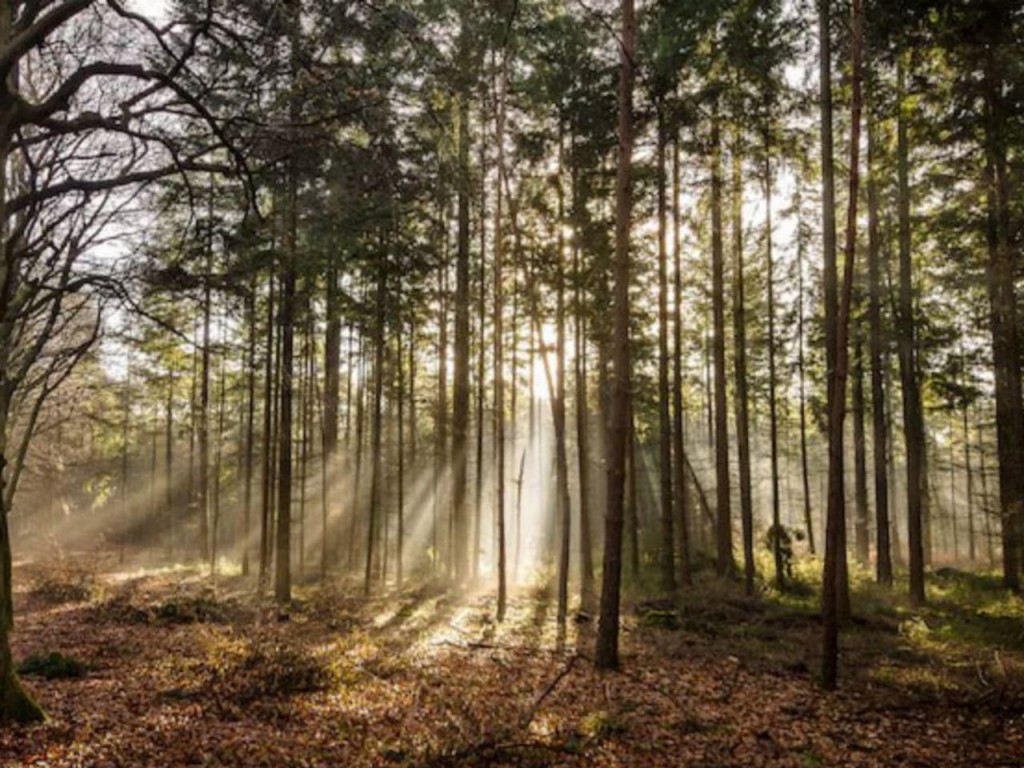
(742, 404)
(879, 430)
(834, 576)
(913, 417)
(678, 416)
(725, 563)
(607, 656)
(667, 546)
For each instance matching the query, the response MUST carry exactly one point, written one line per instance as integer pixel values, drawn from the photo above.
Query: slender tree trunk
(250, 428)
(860, 458)
(805, 474)
(607, 656)
(441, 454)
(204, 402)
(400, 523)
(879, 363)
(357, 473)
(218, 460)
(557, 392)
(678, 417)
(169, 480)
(725, 563)
(376, 429)
(913, 418)
(587, 593)
(631, 506)
(499, 334)
(331, 402)
(283, 538)
(834, 576)
(481, 390)
(739, 324)
(773, 412)
(267, 497)
(460, 405)
(972, 552)
(667, 547)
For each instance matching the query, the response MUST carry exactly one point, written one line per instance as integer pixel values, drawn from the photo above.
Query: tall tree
(836, 518)
(607, 656)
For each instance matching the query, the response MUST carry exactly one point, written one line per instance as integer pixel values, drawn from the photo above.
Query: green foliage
(52, 666)
(660, 619)
(601, 726)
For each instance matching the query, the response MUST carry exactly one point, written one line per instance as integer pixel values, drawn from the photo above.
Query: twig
(549, 690)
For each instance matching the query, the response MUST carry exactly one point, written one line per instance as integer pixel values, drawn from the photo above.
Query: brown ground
(178, 674)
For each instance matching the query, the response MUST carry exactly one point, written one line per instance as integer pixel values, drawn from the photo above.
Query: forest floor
(161, 668)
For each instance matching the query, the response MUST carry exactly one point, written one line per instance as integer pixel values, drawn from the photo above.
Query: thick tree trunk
(607, 656)
(1001, 275)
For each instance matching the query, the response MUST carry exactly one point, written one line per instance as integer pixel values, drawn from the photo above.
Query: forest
(511, 383)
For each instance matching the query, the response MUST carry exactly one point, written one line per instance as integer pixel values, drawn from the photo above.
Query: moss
(16, 704)
(661, 619)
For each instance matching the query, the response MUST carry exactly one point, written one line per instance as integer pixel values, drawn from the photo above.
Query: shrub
(259, 668)
(53, 666)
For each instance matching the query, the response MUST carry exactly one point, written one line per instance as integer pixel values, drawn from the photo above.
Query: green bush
(53, 666)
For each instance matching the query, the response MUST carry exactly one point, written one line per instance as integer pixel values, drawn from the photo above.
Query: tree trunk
(580, 373)
(678, 419)
(667, 547)
(834, 576)
(499, 333)
(739, 325)
(773, 414)
(1001, 275)
(805, 474)
(860, 460)
(204, 400)
(376, 428)
(460, 404)
(725, 563)
(331, 402)
(879, 430)
(267, 501)
(607, 656)
(913, 417)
